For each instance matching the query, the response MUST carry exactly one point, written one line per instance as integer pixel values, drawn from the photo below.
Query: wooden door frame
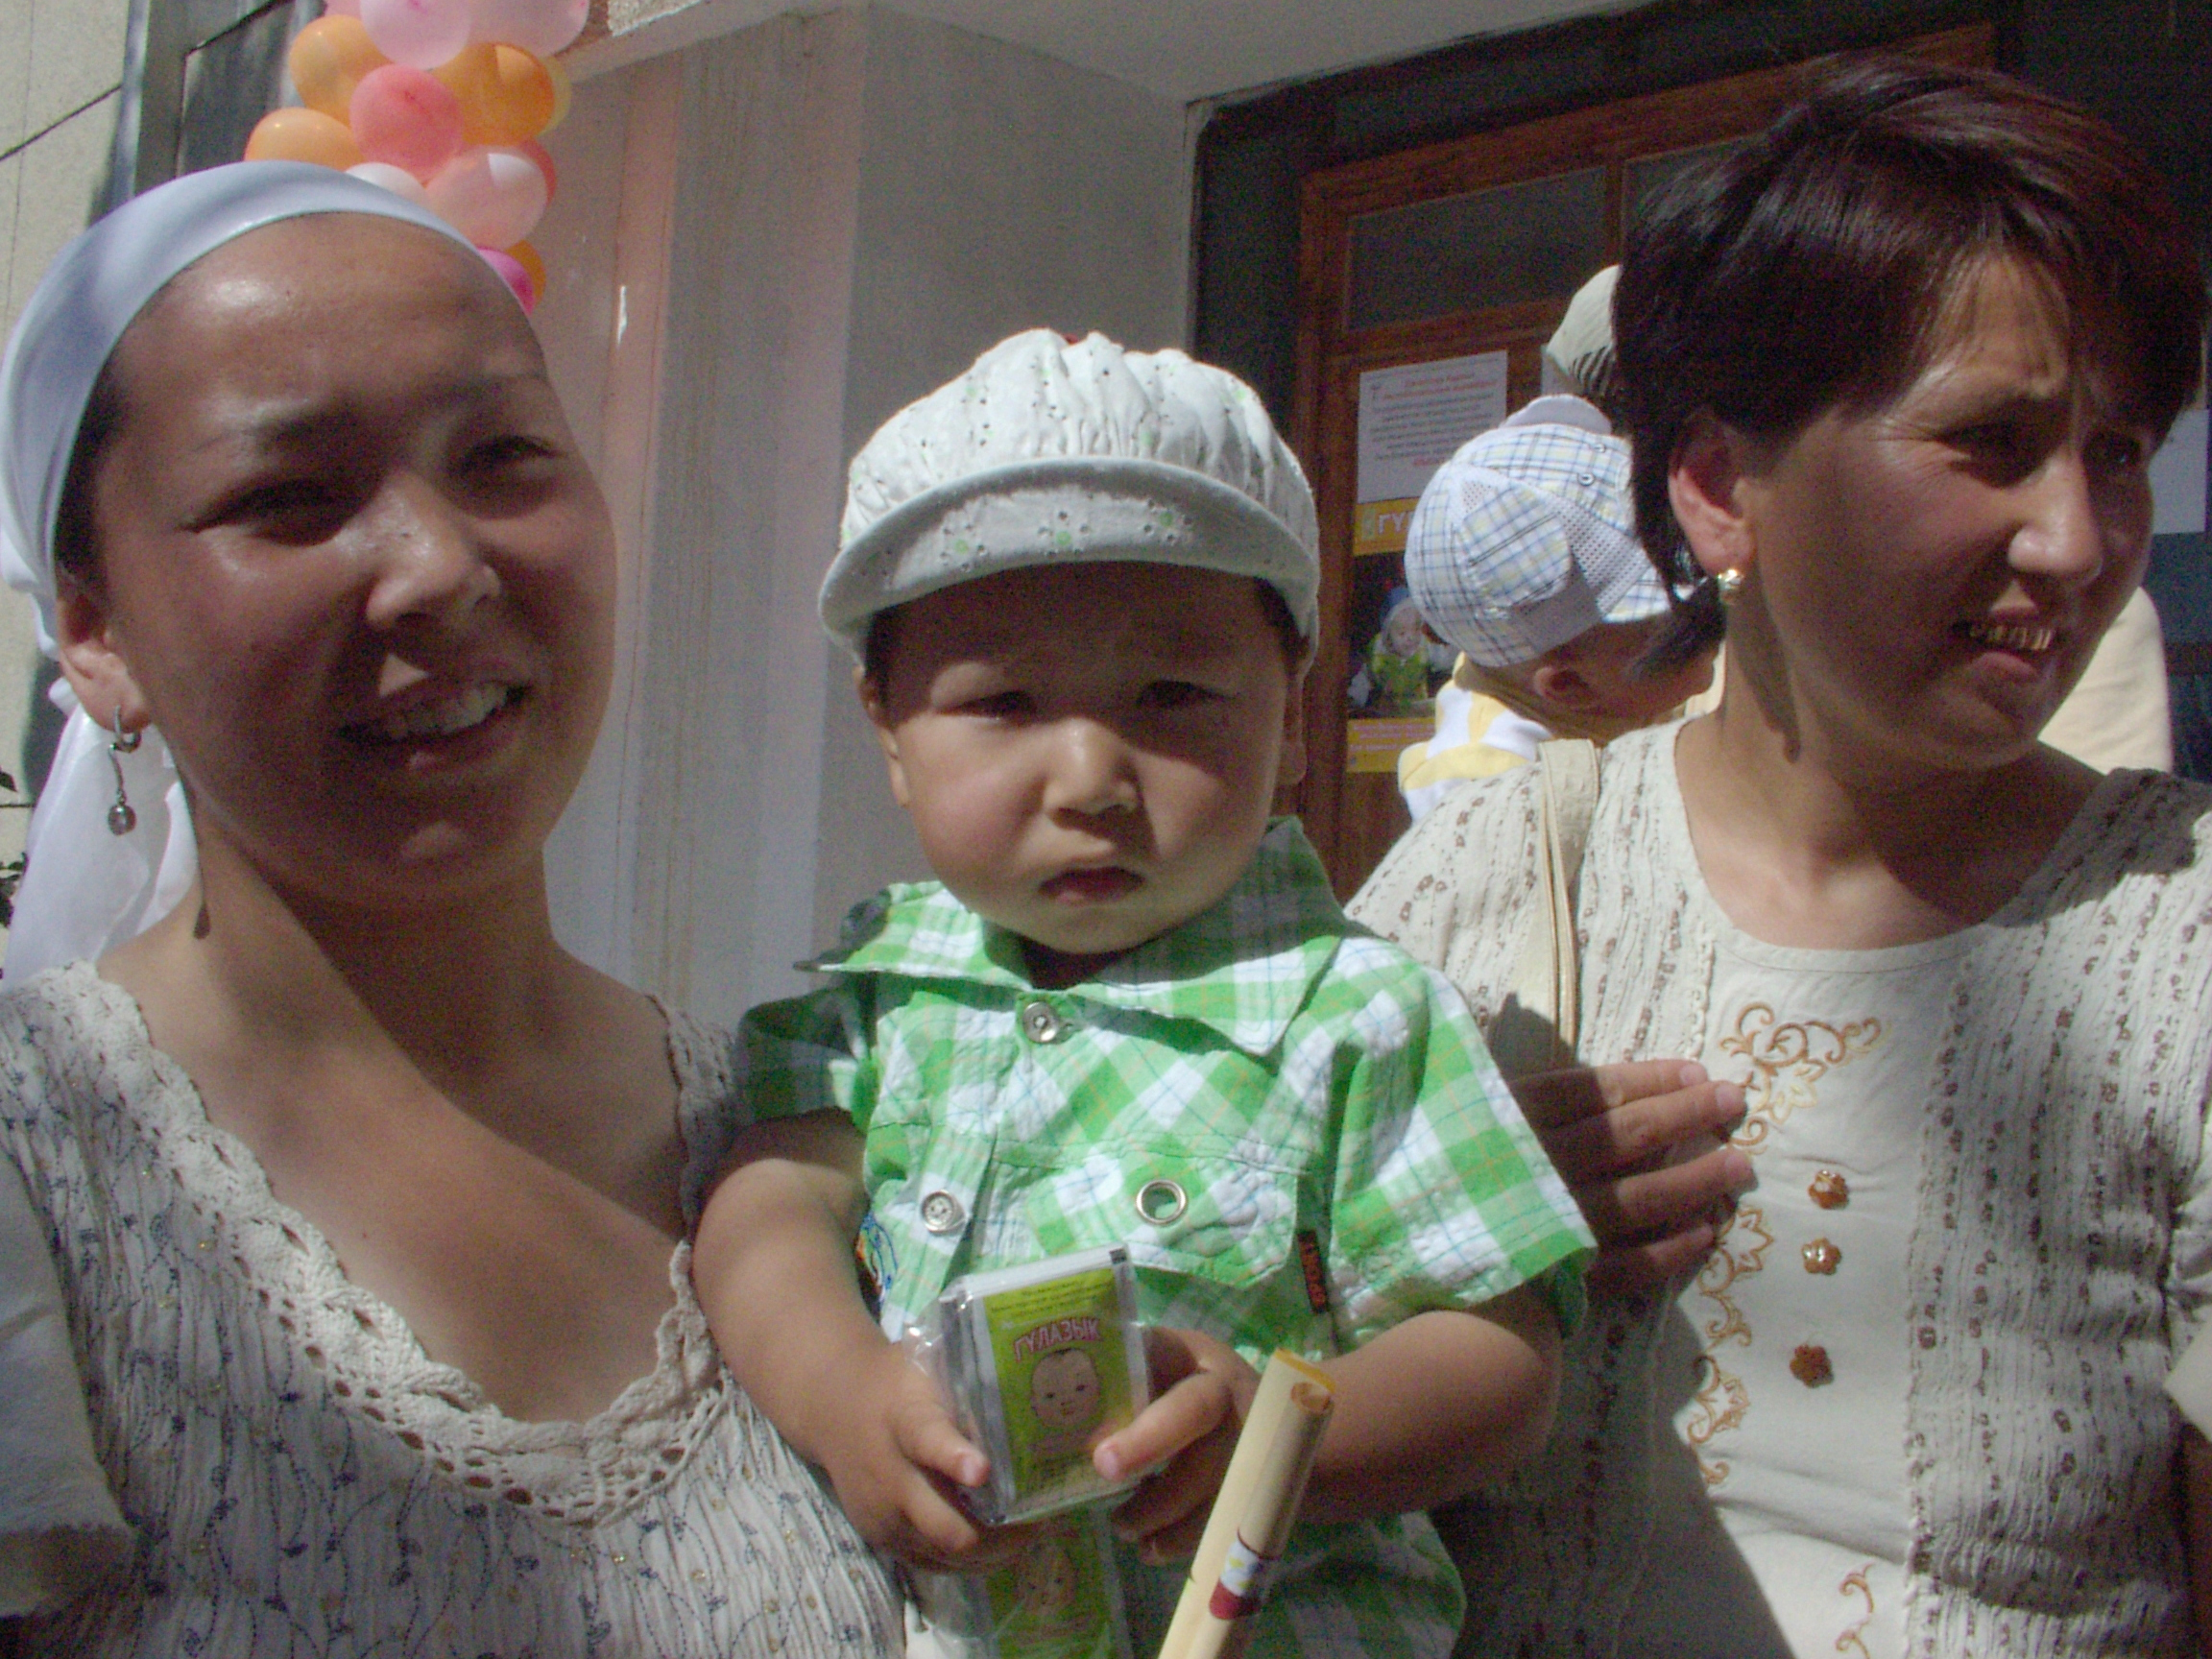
(1330, 357)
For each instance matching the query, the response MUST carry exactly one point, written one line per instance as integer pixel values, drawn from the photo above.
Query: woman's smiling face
(1930, 575)
(350, 562)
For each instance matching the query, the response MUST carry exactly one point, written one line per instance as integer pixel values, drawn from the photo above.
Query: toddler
(1523, 553)
(1081, 585)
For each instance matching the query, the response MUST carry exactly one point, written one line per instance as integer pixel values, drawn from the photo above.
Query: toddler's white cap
(1051, 450)
(1527, 538)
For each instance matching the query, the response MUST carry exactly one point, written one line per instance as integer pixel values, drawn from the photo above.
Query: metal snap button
(1040, 1024)
(942, 1212)
(1161, 1201)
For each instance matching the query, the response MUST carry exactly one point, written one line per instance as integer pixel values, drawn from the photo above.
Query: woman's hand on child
(897, 1464)
(1642, 1147)
(1201, 1388)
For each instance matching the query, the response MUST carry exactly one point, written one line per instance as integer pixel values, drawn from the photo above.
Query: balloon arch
(440, 100)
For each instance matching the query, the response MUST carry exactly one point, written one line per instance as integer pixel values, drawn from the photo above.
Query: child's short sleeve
(1442, 1195)
(805, 1054)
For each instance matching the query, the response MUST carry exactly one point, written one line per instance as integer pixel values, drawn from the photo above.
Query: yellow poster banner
(1379, 526)
(1374, 745)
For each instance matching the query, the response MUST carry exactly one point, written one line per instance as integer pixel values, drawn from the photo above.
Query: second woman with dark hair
(1895, 373)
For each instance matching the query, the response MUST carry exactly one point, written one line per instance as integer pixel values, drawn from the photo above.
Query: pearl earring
(121, 818)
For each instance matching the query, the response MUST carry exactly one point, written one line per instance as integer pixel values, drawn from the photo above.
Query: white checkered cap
(1051, 450)
(1526, 538)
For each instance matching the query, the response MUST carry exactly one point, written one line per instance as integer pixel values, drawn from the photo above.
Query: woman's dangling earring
(121, 818)
(1728, 585)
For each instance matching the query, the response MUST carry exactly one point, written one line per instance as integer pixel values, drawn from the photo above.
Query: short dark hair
(1811, 268)
(76, 537)
(883, 635)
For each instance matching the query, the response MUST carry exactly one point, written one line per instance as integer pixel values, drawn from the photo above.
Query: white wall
(605, 239)
(61, 71)
(807, 224)
(1000, 190)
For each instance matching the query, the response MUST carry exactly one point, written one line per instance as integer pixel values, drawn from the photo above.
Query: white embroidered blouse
(300, 1478)
(1925, 1419)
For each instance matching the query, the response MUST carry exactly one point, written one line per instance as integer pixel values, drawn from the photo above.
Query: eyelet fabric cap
(1056, 451)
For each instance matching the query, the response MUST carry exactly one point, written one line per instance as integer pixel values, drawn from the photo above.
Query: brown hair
(1811, 268)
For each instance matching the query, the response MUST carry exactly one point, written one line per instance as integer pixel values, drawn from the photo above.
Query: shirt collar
(1245, 966)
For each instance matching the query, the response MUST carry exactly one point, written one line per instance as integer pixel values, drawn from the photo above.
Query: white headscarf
(85, 890)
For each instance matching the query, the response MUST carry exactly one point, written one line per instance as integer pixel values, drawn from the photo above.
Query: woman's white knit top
(2053, 1252)
(302, 1480)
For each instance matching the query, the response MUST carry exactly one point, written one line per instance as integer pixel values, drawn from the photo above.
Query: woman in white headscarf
(342, 1306)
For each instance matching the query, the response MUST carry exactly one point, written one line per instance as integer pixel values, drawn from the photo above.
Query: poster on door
(1412, 416)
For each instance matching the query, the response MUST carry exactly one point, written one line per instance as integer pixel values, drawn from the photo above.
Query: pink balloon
(516, 275)
(493, 197)
(539, 26)
(543, 157)
(404, 117)
(397, 180)
(420, 34)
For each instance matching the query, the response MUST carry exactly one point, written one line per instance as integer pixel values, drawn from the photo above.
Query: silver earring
(1728, 585)
(121, 819)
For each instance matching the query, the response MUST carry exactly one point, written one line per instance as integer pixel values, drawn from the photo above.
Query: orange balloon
(304, 135)
(328, 59)
(563, 90)
(528, 257)
(506, 95)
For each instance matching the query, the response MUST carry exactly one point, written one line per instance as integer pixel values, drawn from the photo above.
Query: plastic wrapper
(1061, 1600)
(1039, 1364)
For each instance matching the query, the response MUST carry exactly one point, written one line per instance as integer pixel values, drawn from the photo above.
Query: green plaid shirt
(1292, 1126)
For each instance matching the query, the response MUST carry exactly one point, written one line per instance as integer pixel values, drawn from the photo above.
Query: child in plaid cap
(1080, 583)
(1523, 553)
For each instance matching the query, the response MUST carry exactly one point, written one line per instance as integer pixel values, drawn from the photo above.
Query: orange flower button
(1809, 1364)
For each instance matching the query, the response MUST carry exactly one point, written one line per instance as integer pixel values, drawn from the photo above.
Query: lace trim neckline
(375, 1365)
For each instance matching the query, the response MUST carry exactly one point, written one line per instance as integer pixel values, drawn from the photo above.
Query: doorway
(1428, 283)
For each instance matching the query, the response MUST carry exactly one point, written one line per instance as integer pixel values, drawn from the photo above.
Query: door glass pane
(1500, 247)
(1651, 177)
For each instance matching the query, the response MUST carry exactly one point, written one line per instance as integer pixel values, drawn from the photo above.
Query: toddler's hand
(895, 1465)
(1201, 1389)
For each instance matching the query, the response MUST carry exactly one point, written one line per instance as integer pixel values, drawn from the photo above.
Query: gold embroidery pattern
(1728, 1264)
(1721, 1399)
(1787, 1058)
(1852, 1640)
(1722, 1402)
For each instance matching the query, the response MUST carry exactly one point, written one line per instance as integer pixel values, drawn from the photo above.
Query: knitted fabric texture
(304, 1480)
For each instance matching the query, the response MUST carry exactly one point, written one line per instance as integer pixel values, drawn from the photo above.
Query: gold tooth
(2014, 636)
